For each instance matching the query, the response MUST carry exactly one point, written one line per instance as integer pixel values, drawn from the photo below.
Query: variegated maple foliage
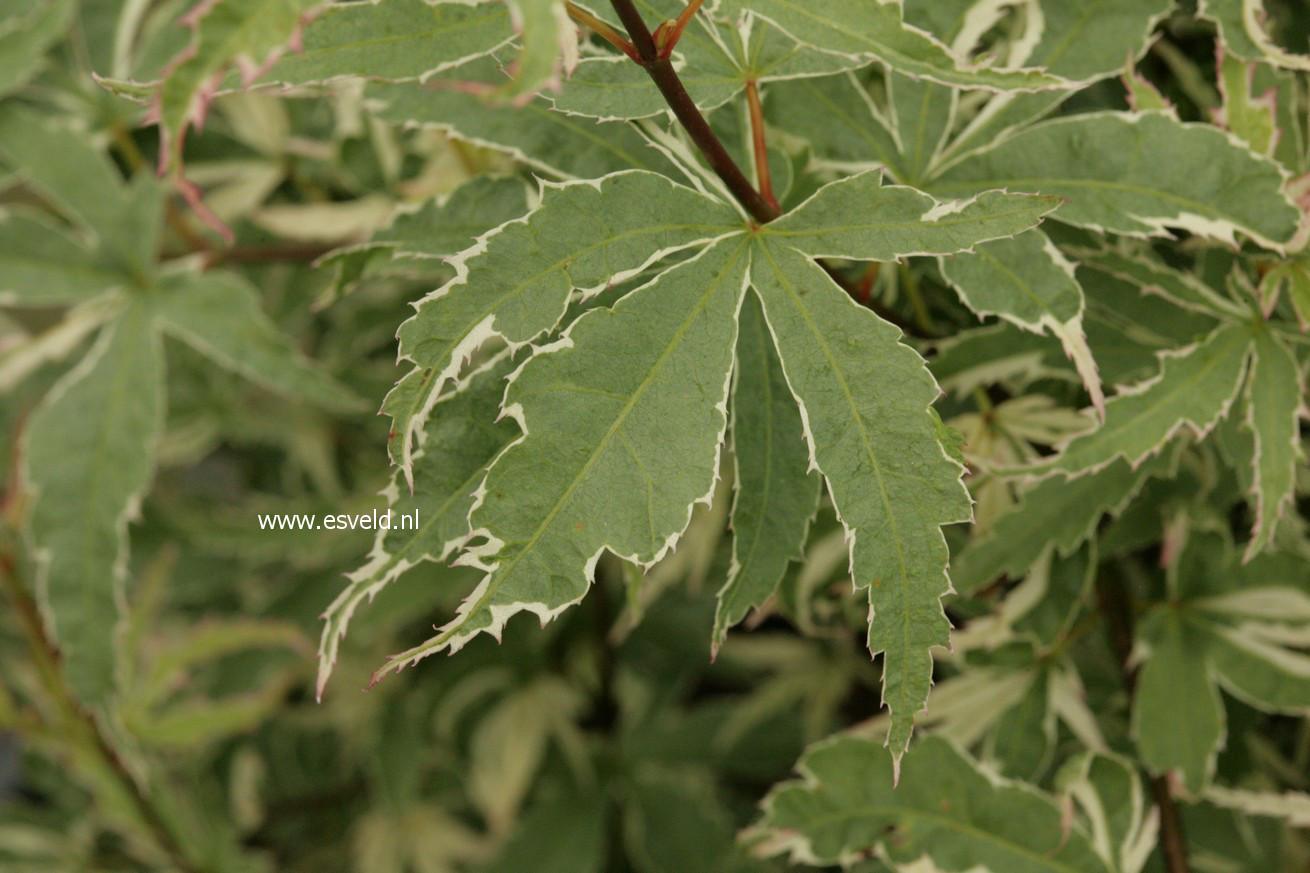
(960, 344)
(617, 438)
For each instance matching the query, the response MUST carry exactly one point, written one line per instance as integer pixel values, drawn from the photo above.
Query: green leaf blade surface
(392, 40)
(89, 457)
(516, 282)
(776, 495)
(251, 33)
(622, 422)
(1028, 282)
(41, 264)
(1107, 166)
(1056, 513)
(945, 808)
(877, 31)
(1274, 406)
(219, 315)
(1195, 388)
(866, 402)
(458, 444)
(1178, 718)
(861, 219)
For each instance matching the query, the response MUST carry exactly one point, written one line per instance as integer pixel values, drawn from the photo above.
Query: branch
(1114, 605)
(46, 656)
(661, 72)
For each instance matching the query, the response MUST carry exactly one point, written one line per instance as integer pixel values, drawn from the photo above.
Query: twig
(1116, 609)
(277, 252)
(661, 72)
(258, 254)
(760, 207)
(46, 656)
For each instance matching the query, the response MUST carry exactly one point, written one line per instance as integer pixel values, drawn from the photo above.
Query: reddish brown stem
(762, 174)
(711, 148)
(689, 115)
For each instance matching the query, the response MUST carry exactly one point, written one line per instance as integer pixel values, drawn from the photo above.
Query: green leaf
(1025, 736)
(515, 283)
(561, 833)
(613, 88)
(622, 420)
(839, 120)
(441, 229)
(27, 31)
(22, 355)
(41, 264)
(562, 146)
(1254, 120)
(1108, 793)
(219, 315)
(1086, 42)
(1291, 806)
(89, 455)
(996, 352)
(1178, 718)
(876, 31)
(946, 19)
(1004, 115)
(1105, 164)
(448, 466)
(1294, 275)
(1194, 389)
(393, 40)
(1274, 408)
(1055, 513)
(1152, 276)
(859, 218)
(1255, 666)
(1229, 624)
(715, 64)
(946, 809)
(1028, 282)
(547, 39)
(82, 183)
(675, 822)
(865, 399)
(1241, 29)
(1273, 416)
(922, 116)
(776, 497)
(249, 33)
(1229, 17)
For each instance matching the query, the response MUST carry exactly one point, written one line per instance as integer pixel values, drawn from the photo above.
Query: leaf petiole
(603, 30)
